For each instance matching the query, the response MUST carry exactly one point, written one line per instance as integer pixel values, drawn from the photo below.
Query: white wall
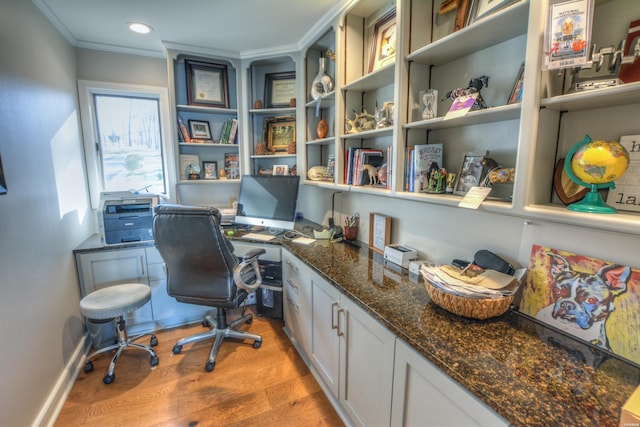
(44, 214)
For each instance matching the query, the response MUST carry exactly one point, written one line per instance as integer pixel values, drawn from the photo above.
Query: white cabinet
(353, 354)
(424, 396)
(297, 302)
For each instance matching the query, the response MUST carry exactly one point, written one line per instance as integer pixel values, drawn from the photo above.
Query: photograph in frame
(567, 37)
(199, 129)
(3, 183)
(207, 84)
(383, 44)
(470, 173)
(280, 170)
(518, 87)
(279, 89)
(210, 169)
(278, 132)
(483, 8)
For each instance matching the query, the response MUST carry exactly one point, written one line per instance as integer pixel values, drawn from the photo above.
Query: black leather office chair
(202, 270)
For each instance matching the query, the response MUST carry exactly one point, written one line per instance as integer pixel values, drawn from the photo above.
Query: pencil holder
(351, 233)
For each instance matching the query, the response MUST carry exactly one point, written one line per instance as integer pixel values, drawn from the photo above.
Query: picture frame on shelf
(379, 232)
(210, 169)
(518, 87)
(483, 8)
(278, 132)
(199, 129)
(280, 170)
(207, 84)
(470, 172)
(279, 89)
(383, 42)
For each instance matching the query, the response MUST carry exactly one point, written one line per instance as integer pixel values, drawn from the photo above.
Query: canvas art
(594, 300)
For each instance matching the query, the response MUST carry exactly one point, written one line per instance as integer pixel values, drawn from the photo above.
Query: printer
(125, 216)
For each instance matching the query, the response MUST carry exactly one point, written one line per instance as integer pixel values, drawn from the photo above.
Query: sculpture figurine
(362, 122)
(475, 85)
(372, 172)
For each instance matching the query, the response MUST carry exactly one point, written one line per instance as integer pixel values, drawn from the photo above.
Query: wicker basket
(473, 308)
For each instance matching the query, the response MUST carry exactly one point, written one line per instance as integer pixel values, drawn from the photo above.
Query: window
(123, 136)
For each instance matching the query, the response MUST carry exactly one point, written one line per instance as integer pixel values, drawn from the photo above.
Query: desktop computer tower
(269, 295)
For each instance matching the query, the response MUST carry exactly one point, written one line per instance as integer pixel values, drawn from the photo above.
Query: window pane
(130, 143)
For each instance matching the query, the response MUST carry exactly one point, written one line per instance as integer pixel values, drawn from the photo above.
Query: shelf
(325, 101)
(372, 81)
(489, 115)
(324, 141)
(278, 111)
(453, 200)
(495, 28)
(272, 156)
(208, 181)
(191, 144)
(370, 134)
(206, 110)
(623, 94)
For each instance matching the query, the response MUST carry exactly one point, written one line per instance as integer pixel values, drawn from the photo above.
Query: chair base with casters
(114, 302)
(220, 330)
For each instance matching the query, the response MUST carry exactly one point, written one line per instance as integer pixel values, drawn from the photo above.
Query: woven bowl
(473, 308)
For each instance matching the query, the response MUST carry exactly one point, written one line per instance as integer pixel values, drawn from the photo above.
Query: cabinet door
(297, 297)
(423, 395)
(366, 366)
(325, 350)
(108, 268)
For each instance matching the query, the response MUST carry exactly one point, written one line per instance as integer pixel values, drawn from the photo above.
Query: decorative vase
(322, 129)
(322, 84)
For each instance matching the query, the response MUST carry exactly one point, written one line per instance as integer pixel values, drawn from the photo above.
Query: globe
(595, 165)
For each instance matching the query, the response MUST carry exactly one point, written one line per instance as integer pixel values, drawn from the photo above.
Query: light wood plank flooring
(270, 386)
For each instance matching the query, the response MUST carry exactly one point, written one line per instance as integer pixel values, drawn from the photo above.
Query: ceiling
(238, 27)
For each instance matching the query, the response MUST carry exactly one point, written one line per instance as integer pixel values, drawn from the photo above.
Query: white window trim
(86, 90)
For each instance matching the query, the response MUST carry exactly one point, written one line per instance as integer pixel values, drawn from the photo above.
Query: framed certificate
(379, 232)
(279, 89)
(207, 84)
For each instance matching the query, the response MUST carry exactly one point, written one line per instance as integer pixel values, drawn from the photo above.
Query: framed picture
(516, 91)
(383, 44)
(470, 173)
(379, 232)
(280, 170)
(210, 169)
(3, 183)
(483, 8)
(278, 132)
(279, 89)
(207, 84)
(199, 129)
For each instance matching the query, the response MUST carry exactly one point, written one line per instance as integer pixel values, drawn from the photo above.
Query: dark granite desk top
(529, 374)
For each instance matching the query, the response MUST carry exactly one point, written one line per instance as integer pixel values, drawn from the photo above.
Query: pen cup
(351, 233)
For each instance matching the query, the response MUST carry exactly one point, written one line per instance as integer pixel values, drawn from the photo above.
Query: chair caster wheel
(205, 324)
(154, 341)
(108, 379)
(177, 349)
(249, 320)
(154, 361)
(88, 367)
(257, 344)
(209, 366)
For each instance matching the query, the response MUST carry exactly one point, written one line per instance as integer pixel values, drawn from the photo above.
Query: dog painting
(593, 300)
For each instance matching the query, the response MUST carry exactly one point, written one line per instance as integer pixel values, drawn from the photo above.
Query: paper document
(258, 236)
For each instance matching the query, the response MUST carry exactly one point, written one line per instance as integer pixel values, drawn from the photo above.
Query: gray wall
(45, 213)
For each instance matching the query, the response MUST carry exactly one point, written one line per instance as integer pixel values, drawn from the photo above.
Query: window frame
(86, 91)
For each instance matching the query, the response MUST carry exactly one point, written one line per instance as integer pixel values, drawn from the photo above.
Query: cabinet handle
(293, 286)
(334, 325)
(142, 265)
(340, 331)
(292, 266)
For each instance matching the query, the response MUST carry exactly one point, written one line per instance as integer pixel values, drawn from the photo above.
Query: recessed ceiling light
(140, 28)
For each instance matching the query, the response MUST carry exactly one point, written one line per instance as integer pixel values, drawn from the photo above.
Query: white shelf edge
(192, 144)
(623, 94)
(373, 80)
(369, 133)
(495, 206)
(271, 156)
(325, 101)
(489, 115)
(207, 181)
(621, 222)
(207, 110)
(324, 141)
(265, 111)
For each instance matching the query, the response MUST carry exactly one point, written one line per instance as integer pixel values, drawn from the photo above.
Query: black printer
(124, 217)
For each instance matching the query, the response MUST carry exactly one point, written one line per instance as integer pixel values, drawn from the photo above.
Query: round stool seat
(114, 301)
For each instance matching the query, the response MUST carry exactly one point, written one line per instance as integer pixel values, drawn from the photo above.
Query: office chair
(202, 270)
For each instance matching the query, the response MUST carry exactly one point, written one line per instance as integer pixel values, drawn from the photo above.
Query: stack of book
(229, 132)
(355, 158)
(232, 165)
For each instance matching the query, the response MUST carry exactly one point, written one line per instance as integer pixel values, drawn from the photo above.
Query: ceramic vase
(322, 84)
(322, 129)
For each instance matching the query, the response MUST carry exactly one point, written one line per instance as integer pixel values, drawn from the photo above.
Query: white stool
(114, 302)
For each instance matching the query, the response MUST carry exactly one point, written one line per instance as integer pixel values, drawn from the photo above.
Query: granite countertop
(528, 373)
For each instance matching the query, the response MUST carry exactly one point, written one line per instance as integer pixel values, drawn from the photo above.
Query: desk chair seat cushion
(199, 269)
(115, 301)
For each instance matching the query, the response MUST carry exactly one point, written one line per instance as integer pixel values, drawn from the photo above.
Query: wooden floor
(270, 386)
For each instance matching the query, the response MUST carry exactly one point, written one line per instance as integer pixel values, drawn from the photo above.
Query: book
(426, 157)
(224, 133)
(232, 165)
(631, 72)
(233, 131)
(183, 130)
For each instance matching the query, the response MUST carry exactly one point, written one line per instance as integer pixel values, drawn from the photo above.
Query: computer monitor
(268, 201)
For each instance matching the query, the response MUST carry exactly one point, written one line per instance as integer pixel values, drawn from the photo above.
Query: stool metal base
(219, 331)
(123, 343)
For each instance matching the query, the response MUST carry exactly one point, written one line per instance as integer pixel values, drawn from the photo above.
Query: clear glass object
(430, 101)
(322, 84)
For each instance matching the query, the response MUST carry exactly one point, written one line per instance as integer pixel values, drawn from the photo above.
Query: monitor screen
(268, 201)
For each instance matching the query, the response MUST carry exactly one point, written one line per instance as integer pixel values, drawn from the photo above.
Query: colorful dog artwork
(593, 300)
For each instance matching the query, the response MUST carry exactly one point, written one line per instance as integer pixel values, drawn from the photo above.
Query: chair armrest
(246, 274)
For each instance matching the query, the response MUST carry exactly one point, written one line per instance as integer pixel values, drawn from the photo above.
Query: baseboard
(52, 407)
